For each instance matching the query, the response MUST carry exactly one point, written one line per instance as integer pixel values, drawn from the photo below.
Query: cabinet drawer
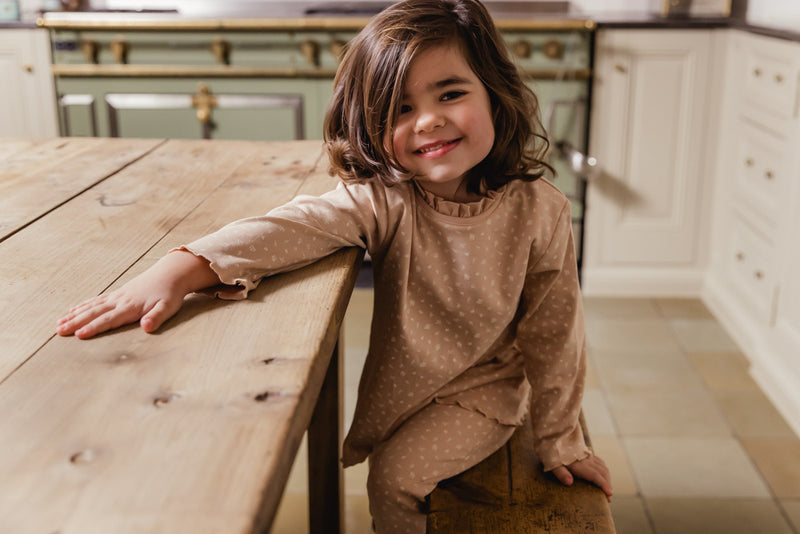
(770, 80)
(750, 258)
(762, 171)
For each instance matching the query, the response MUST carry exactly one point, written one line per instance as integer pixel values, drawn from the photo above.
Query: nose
(428, 120)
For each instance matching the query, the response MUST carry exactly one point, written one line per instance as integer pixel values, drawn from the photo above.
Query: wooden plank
(11, 145)
(104, 411)
(177, 432)
(79, 249)
(509, 492)
(49, 173)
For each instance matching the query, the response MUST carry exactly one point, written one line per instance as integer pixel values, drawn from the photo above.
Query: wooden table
(193, 429)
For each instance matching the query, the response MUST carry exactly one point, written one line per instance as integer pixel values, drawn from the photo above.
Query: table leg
(325, 480)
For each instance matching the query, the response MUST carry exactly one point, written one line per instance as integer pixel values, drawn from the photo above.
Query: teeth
(432, 148)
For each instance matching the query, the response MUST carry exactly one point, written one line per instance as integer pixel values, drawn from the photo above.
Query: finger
(74, 321)
(154, 318)
(563, 475)
(113, 318)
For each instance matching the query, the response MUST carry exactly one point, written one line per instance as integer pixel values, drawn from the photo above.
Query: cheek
(394, 141)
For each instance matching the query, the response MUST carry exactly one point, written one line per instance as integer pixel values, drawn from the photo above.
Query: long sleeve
(292, 236)
(551, 337)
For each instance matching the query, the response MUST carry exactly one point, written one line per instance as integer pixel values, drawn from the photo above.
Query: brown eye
(452, 95)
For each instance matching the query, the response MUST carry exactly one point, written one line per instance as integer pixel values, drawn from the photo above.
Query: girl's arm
(151, 298)
(551, 335)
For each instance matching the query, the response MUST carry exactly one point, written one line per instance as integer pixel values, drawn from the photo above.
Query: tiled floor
(693, 444)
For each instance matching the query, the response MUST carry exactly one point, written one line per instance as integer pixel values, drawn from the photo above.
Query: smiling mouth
(427, 149)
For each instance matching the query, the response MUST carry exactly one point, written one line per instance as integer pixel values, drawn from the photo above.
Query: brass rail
(288, 24)
(225, 71)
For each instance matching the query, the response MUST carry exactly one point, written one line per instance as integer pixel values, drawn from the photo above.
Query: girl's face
(444, 127)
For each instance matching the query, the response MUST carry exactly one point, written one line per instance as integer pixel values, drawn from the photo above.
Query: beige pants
(439, 442)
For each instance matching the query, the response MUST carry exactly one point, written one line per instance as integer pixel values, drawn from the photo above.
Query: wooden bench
(509, 492)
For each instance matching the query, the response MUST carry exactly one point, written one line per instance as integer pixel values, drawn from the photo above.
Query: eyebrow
(452, 80)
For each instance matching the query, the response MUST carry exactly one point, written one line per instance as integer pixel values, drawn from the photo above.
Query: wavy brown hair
(369, 86)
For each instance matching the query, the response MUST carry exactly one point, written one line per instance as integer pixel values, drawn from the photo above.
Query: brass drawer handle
(769, 175)
(119, 49)
(757, 72)
(90, 49)
(778, 78)
(749, 162)
(740, 256)
(759, 275)
(221, 50)
(619, 67)
(337, 48)
(310, 50)
(204, 101)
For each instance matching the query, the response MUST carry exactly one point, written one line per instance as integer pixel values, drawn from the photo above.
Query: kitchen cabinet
(752, 284)
(647, 212)
(27, 101)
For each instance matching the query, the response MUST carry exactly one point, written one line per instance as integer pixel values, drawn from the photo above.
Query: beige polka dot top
(470, 299)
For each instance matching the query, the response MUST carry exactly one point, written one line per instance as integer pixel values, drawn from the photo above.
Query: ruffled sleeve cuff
(564, 450)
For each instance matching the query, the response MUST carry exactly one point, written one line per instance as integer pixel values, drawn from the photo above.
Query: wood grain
(193, 429)
(44, 175)
(509, 492)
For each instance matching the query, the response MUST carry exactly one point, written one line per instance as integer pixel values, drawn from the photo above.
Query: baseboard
(641, 282)
(764, 348)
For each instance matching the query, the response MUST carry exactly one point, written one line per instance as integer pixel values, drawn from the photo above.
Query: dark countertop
(353, 15)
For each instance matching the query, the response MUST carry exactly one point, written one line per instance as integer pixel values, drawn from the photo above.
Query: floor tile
(619, 308)
(598, 417)
(683, 308)
(666, 412)
(610, 449)
(630, 516)
(693, 467)
(630, 335)
(592, 381)
(779, 462)
(645, 369)
(791, 507)
(752, 415)
(696, 335)
(717, 516)
(723, 371)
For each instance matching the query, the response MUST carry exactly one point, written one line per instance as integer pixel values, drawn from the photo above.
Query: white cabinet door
(27, 97)
(646, 228)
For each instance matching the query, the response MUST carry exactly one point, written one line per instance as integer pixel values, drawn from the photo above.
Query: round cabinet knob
(769, 175)
(221, 50)
(119, 49)
(779, 78)
(757, 72)
(619, 67)
(749, 162)
(310, 50)
(553, 49)
(522, 49)
(27, 68)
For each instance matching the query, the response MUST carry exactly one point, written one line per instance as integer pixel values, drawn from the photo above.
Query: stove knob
(553, 49)
(522, 48)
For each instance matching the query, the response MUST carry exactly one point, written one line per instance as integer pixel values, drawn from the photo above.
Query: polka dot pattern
(476, 305)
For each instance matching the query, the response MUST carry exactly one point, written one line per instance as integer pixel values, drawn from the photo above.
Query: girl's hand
(151, 298)
(592, 469)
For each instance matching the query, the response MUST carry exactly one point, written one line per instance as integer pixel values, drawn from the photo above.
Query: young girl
(478, 317)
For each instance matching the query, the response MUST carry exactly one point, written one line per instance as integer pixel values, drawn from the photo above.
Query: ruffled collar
(459, 209)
